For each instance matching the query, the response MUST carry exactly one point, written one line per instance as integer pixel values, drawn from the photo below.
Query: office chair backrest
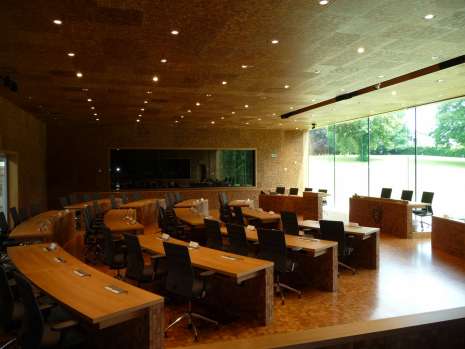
(135, 259)
(213, 231)
(237, 239)
(32, 324)
(308, 189)
(64, 201)
(238, 215)
(6, 300)
(223, 197)
(322, 190)
(225, 214)
(97, 208)
(4, 226)
(386, 193)
(170, 200)
(114, 205)
(177, 197)
(427, 198)
(293, 191)
(180, 277)
(407, 195)
(162, 219)
(290, 223)
(334, 231)
(273, 247)
(15, 215)
(108, 246)
(86, 197)
(280, 190)
(87, 215)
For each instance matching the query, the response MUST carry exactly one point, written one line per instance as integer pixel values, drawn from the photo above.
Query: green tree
(450, 124)
(388, 133)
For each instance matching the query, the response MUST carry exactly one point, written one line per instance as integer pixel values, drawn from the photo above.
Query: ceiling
(119, 45)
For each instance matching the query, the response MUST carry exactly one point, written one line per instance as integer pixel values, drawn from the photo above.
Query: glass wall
(3, 185)
(419, 149)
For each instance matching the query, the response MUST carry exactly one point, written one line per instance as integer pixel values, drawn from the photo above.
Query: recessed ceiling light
(137, 120)
(291, 108)
(246, 106)
(313, 100)
(182, 116)
(275, 41)
(212, 122)
(429, 16)
(324, 2)
(97, 119)
(142, 109)
(247, 123)
(176, 121)
(361, 50)
(163, 60)
(148, 92)
(440, 80)
(286, 86)
(139, 115)
(259, 119)
(79, 74)
(233, 112)
(85, 89)
(222, 118)
(197, 103)
(274, 114)
(380, 76)
(95, 114)
(189, 111)
(296, 128)
(155, 78)
(244, 66)
(71, 54)
(89, 99)
(317, 72)
(174, 32)
(394, 93)
(208, 95)
(145, 102)
(92, 108)
(224, 83)
(57, 22)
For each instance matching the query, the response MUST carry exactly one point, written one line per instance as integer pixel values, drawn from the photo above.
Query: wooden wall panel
(309, 206)
(448, 235)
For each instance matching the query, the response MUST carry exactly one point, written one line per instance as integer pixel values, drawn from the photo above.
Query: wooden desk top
(452, 219)
(37, 227)
(238, 267)
(139, 203)
(363, 231)
(85, 295)
(193, 218)
(315, 246)
(117, 221)
(418, 205)
(83, 205)
(239, 203)
(186, 203)
(260, 214)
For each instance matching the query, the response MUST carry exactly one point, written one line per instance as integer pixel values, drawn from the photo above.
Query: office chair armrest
(47, 306)
(157, 256)
(63, 325)
(207, 273)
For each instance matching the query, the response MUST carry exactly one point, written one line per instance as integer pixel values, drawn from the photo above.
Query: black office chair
(114, 204)
(324, 201)
(213, 231)
(12, 310)
(426, 198)
(136, 269)
(223, 197)
(114, 252)
(293, 191)
(280, 190)
(407, 195)
(4, 226)
(273, 248)
(226, 216)
(170, 200)
(93, 238)
(35, 332)
(182, 281)
(237, 239)
(290, 224)
(238, 216)
(15, 215)
(334, 231)
(64, 202)
(5, 240)
(169, 224)
(308, 189)
(386, 193)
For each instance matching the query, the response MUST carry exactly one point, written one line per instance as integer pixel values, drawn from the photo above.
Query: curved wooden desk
(146, 210)
(123, 221)
(133, 319)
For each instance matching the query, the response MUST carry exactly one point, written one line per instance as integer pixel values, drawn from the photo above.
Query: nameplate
(231, 258)
(59, 260)
(81, 273)
(115, 289)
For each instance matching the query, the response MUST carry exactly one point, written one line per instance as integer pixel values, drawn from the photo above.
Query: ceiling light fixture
(317, 72)
(246, 106)
(197, 104)
(182, 116)
(212, 122)
(222, 118)
(92, 108)
(244, 66)
(208, 95)
(247, 123)
(429, 16)
(224, 82)
(89, 99)
(148, 92)
(324, 2)
(95, 114)
(440, 80)
(394, 93)
(174, 32)
(79, 74)
(163, 60)
(176, 121)
(275, 41)
(361, 50)
(380, 76)
(97, 119)
(233, 112)
(137, 120)
(57, 22)
(189, 111)
(286, 86)
(71, 54)
(155, 78)
(142, 109)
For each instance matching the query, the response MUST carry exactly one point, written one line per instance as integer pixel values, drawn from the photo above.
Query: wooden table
(252, 289)
(129, 320)
(321, 268)
(448, 235)
(123, 221)
(309, 205)
(262, 215)
(186, 203)
(146, 210)
(366, 246)
(391, 216)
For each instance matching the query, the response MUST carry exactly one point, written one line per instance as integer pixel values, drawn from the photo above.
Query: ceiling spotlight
(246, 106)
(439, 80)
(148, 92)
(380, 76)
(394, 93)
(259, 119)
(137, 120)
(286, 86)
(95, 114)
(429, 16)
(296, 128)
(247, 123)
(79, 74)
(274, 114)
(189, 111)
(222, 118)
(145, 102)
(139, 115)
(233, 112)
(361, 50)
(182, 116)
(174, 32)
(163, 60)
(85, 89)
(57, 22)
(71, 54)
(89, 99)
(176, 121)
(197, 104)
(142, 109)
(97, 119)
(208, 95)
(224, 83)
(274, 41)
(324, 2)
(155, 78)
(212, 122)
(92, 108)
(313, 100)
(244, 66)
(291, 108)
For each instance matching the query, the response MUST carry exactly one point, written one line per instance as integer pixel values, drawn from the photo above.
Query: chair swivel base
(280, 286)
(190, 315)
(353, 270)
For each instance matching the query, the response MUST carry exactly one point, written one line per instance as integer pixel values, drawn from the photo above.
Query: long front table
(448, 235)
(133, 319)
(254, 295)
(391, 216)
(366, 243)
(309, 205)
